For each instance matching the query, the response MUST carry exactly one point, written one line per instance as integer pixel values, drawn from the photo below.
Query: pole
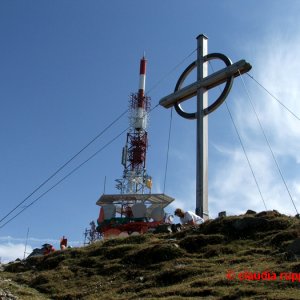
(26, 243)
(202, 132)
(104, 185)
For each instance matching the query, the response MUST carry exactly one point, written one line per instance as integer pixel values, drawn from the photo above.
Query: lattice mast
(135, 178)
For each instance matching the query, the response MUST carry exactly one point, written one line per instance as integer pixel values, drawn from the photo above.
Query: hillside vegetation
(253, 256)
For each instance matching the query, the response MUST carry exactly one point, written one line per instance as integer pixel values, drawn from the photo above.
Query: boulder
(249, 224)
(269, 213)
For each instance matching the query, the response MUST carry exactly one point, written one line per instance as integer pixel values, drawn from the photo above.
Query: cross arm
(208, 82)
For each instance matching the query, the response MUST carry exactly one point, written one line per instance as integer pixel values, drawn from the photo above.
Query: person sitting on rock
(188, 217)
(48, 248)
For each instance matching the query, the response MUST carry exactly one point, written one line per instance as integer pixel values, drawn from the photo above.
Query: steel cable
(269, 145)
(79, 152)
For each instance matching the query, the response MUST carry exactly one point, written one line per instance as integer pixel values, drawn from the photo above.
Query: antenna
(135, 202)
(104, 184)
(26, 243)
(135, 179)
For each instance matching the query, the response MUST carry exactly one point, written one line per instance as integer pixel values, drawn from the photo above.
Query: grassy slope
(192, 263)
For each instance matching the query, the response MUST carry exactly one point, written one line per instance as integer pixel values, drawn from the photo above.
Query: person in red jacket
(63, 243)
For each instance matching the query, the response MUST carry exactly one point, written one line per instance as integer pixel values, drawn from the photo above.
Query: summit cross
(200, 90)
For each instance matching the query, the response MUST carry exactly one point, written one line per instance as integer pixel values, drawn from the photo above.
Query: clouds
(233, 188)
(231, 184)
(278, 70)
(12, 248)
(12, 251)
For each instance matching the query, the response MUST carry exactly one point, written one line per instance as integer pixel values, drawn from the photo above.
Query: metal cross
(200, 89)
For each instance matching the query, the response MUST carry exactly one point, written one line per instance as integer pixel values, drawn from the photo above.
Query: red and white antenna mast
(135, 179)
(135, 202)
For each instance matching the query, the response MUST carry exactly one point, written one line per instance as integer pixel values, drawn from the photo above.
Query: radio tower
(135, 179)
(135, 208)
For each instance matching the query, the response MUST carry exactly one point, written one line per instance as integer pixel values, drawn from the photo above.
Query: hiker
(188, 217)
(63, 243)
(47, 249)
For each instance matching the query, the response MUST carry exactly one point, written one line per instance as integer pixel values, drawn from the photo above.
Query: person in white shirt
(188, 217)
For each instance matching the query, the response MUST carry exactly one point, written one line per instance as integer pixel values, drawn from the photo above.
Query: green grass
(192, 264)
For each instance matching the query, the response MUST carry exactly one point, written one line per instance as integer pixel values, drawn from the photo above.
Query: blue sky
(67, 69)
